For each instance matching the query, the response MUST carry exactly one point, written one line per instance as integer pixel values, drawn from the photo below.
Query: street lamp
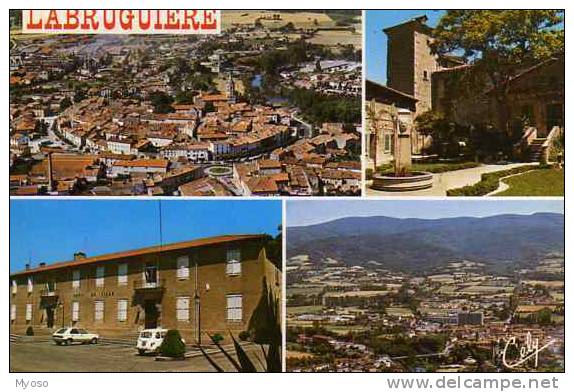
(197, 307)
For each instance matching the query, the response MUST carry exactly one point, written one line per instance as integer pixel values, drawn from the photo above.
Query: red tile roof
(209, 241)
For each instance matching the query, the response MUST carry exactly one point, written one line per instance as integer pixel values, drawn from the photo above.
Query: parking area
(43, 355)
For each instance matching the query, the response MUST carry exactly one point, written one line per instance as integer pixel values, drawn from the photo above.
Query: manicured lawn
(543, 182)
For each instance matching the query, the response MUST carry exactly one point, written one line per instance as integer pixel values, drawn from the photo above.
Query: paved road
(46, 356)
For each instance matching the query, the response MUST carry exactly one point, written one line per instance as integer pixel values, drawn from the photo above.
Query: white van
(149, 340)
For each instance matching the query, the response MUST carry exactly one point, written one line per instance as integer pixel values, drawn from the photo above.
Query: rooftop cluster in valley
(119, 115)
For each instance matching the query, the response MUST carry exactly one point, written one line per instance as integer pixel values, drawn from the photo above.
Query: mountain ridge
(412, 243)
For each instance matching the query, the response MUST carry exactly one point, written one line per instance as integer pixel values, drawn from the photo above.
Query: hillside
(410, 244)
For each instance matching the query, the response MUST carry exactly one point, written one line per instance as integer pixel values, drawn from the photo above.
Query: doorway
(50, 317)
(151, 314)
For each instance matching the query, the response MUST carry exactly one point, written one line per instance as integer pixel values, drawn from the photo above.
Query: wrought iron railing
(144, 284)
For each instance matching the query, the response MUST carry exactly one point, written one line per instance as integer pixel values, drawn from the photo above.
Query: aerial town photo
(136, 291)
(269, 107)
(464, 102)
(425, 286)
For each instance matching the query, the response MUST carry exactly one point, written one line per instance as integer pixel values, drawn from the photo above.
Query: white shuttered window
(182, 308)
(235, 307)
(183, 267)
(28, 312)
(233, 262)
(100, 272)
(122, 274)
(98, 310)
(76, 279)
(122, 309)
(75, 311)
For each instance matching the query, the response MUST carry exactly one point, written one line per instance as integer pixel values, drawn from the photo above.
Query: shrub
(217, 337)
(172, 345)
(369, 174)
(489, 182)
(439, 167)
(30, 331)
(244, 335)
(432, 167)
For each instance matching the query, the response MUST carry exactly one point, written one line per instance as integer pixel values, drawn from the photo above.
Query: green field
(299, 19)
(399, 312)
(542, 182)
(334, 38)
(304, 309)
(309, 290)
(345, 329)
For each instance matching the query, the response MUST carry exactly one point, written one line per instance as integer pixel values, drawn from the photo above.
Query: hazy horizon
(308, 213)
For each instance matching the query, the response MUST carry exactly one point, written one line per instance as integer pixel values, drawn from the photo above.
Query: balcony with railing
(48, 292)
(48, 298)
(142, 284)
(145, 290)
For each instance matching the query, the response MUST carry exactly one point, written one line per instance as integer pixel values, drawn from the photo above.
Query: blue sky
(376, 40)
(302, 213)
(53, 230)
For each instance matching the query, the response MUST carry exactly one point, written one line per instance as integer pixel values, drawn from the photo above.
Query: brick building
(205, 285)
(419, 80)
(410, 66)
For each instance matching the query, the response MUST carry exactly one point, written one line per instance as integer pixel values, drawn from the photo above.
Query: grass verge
(544, 182)
(488, 182)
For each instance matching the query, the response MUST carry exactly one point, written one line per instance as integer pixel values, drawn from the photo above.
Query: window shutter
(76, 279)
(122, 274)
(233, 262)
(75, 311)
(183, 267)
(182, 305)
(235, 307)
(100, 272)
(122, 310)
(98, 310)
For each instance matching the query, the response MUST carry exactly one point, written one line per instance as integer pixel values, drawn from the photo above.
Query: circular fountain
(401, 183)
(403, 179)
(218, 171)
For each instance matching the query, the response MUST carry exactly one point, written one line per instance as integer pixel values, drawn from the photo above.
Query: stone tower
(410, 63)
(230, 88)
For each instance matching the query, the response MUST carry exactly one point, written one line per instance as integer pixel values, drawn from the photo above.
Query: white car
(149, 340)
(74, 335)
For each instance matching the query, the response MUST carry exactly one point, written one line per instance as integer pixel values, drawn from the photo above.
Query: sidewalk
(449, 180)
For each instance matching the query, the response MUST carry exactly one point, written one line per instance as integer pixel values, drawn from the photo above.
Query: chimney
(42, 264)
(27, 266)
(79, 256)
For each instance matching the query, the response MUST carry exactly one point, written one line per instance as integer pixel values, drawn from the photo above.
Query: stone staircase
(15, 338)
(536, 149)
